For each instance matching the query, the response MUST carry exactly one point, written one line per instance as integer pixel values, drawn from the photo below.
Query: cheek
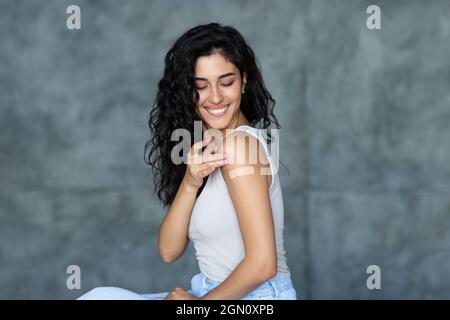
(202, 97)
(235, 95)
(201, 101)
(235, 98)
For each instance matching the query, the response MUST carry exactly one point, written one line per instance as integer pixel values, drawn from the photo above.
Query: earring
(243, 90)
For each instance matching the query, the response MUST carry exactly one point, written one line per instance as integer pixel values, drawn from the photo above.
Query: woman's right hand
(201, 164)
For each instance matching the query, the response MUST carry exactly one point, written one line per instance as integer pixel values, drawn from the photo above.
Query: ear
(244, 78)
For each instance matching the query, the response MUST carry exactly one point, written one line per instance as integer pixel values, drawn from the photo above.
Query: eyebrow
(220, 77)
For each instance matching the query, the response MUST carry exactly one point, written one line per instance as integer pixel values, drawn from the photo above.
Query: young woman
(226, 197)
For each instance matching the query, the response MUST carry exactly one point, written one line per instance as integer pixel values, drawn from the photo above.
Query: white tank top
(214, 227)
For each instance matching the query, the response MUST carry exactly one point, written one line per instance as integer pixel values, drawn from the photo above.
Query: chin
(217, 124)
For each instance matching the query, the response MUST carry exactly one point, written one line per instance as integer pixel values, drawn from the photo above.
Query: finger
(194, 159)
(196, 147)
(214, 157)
(211, 166)
(207, 171)
(219, 163)
(205, 158)
(211, 149)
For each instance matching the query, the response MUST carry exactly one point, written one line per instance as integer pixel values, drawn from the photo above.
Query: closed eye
(222, 84)
(228, 84)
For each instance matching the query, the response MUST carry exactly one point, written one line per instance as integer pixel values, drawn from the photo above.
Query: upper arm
(249, 191)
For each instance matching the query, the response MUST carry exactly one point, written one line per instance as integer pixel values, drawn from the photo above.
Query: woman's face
(219, 84)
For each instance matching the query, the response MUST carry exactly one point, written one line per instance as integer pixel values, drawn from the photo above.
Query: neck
(240, 120)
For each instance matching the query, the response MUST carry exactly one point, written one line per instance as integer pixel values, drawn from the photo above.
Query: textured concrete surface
(366, 139)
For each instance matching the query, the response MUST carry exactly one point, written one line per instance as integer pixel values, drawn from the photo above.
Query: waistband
(281, 282)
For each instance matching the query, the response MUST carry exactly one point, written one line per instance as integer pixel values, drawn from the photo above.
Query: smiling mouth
(217, 112)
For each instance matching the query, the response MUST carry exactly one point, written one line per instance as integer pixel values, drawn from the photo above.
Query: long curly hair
(176, 100)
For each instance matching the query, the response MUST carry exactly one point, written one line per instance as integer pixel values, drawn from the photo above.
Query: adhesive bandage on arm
(238, 172)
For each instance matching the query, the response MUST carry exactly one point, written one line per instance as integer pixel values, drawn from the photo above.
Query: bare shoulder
(246, 156)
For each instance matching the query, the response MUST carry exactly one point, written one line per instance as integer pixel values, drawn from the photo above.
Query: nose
(216, 95)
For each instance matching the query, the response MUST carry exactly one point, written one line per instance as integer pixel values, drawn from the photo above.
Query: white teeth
(217, 111)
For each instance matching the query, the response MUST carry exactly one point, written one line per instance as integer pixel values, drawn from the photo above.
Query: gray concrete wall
(366, 138)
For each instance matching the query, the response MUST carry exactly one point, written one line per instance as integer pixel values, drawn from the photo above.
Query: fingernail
(211, 169)
(224, 161)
